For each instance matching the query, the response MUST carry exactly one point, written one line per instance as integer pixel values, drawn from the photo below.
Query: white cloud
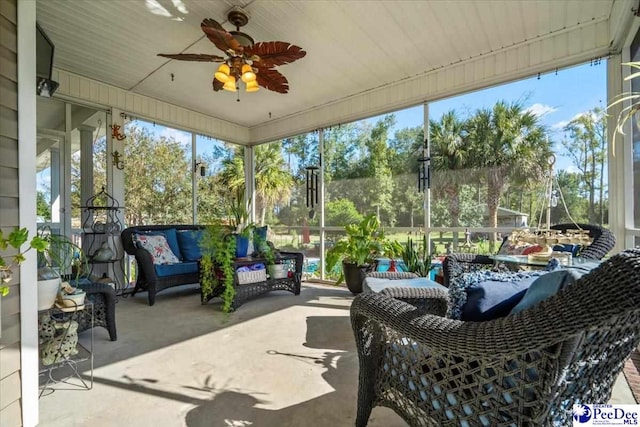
(541, 109)
(184, 138)
(572, 169)
(561, 124)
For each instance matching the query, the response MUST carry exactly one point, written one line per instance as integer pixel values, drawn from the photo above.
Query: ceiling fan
(253, 63)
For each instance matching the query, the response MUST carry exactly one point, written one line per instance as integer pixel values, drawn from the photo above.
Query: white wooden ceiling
(353, 47)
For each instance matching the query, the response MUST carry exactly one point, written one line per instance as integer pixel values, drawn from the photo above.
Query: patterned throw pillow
(158, 247)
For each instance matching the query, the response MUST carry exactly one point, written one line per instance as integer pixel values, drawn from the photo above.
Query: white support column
(427, 191)
(65, 178)
(194, 178)
(321, 200)
(86, 166)
(115, 186)
(57, 173)
(27, 137)
(249, 181)
(619, 157)
(115, 176)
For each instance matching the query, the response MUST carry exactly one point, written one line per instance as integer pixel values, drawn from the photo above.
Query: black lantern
(312, 186)
(424, 173)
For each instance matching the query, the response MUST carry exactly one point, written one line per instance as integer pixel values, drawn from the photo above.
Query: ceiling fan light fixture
(247, 74)
(252, 86)
(230, 84)
(223, 73)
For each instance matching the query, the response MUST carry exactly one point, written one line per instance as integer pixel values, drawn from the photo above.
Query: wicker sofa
(526, 369)
(148, 276)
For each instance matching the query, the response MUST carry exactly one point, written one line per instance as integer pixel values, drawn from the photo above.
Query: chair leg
(152, 297)
(364, 412)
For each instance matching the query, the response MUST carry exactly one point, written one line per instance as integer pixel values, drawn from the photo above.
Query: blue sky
(556, 98)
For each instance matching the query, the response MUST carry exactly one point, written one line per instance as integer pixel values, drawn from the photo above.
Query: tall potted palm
(357, 251)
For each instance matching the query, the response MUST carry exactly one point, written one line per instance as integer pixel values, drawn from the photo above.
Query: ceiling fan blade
(217, 84)
(220, 37)
(275, 53)
(272, 79)
(200, 57)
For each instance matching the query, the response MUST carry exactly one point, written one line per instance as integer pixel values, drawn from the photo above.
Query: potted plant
(357, 251)
(55, 263)
(417, 260)
(218, 246)
(238, 219)
(15, 240)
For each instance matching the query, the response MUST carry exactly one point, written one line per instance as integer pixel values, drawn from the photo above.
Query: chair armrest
(145, 263)
(456, 264)
(428, 300)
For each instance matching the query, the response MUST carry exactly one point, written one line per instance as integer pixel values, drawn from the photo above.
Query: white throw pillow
(158, 247)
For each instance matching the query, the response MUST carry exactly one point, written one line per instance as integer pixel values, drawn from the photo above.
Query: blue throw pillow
(189, 241)
(550, 284)
(491, 299)
(568, 247)
(171, 236)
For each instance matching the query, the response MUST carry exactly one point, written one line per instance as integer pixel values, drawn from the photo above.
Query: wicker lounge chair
(459, 263)
(525, 369)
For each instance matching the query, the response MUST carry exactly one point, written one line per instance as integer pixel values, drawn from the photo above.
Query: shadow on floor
(178, 316)
(236, 408)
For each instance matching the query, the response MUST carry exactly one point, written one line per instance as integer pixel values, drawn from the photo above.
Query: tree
(405, 148)
(43, 209)
(274, 182)
(587, 149)
(511, 144)
(379, 187)
(341, 212)
(449, 154)
(159, 186)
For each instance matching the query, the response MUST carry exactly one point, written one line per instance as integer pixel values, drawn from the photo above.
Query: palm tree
(449, 154)
(274, 181)
(510, 143)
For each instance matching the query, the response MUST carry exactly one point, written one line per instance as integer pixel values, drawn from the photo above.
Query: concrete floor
(280, 360)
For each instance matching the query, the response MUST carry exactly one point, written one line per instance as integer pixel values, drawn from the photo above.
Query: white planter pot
(278, 271)
(47, 293)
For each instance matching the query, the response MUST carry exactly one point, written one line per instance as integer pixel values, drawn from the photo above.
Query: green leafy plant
(363, 242)
(218, 247)
(417, 260)
(238, 212)
(15, 240)
(61, 257)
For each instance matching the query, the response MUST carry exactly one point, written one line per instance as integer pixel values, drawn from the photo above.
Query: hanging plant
(216, 266)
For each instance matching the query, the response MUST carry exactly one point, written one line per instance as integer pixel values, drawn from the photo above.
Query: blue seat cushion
(189, 242)
(550, 284)
(376, 284)
(163, 270)
(172, 239)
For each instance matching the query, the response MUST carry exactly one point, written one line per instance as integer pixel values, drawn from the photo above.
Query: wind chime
(424, 170)
(312, 188)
